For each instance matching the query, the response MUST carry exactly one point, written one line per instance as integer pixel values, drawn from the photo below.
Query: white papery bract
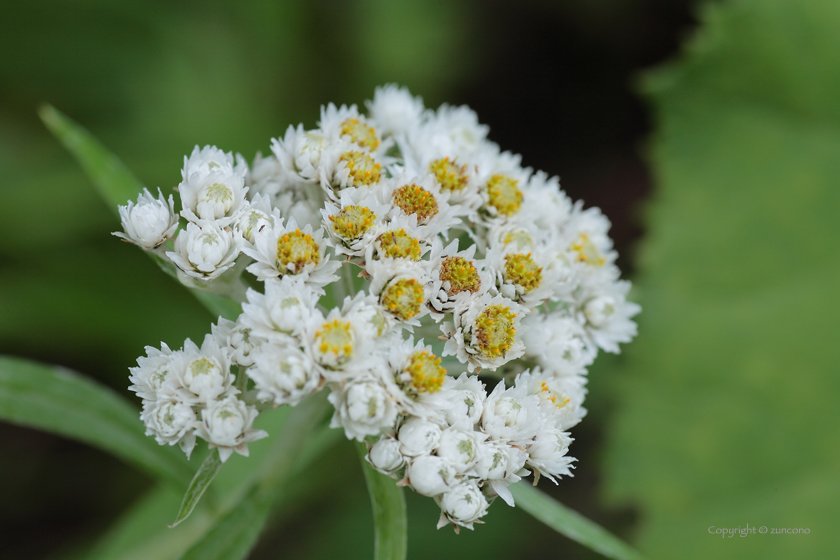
(204, 250)
(362, 241)
(149, 222)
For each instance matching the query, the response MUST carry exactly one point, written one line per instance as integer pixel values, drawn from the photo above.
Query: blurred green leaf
(727, 413)
(65, 403)
(203, 477)
(390, 540)
(570, 523)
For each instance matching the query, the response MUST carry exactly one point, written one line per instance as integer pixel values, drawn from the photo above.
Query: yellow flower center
(397, 244)
(352, 221)
(494, 331)
(587, 251)
(414, 199)
(363, 169)
(403, 298)
(556, 398)
(523, 271)
(504, 194)
(295, 250)
(461, 275)
(424, 374)
(335, 338)
(360, 133)
(450, 176)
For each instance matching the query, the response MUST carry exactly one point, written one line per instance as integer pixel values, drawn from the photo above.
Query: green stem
(389, 517)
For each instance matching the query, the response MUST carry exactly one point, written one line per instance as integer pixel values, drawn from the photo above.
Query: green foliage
(60, 401)
(727, 412)
(570, 523)
(389, 517)
(201, 481)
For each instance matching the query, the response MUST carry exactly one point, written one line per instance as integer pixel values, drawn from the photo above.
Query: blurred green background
(722, 413)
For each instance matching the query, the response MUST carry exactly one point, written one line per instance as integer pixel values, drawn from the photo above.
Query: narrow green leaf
(117, 185)
(63, 402)
(570, 523)
(202, 479)
(390, 540)
(112, 178)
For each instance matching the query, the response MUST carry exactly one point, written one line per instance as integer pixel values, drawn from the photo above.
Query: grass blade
(57, 400)
(570, 523)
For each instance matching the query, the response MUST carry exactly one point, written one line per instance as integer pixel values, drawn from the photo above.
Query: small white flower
(461, 448)
(363, 408)
(299, 155)
(457, 278)
(227, 424)
(355, 221)
(414, 379)
(487, 333)
(154, 371)
(466, 396)
(287, 250)
(282, 312)
(558, 342)
(511, 415)
(171, 422)
(462, 505)
(548, 453)
(204, 250)
(394, 111)
(385, 456)
(607, 315)
(283, 374)
(150, 222)
(430, 475)
(561, 398)
(206, 371)
(253, 217)
(418, 437)
(213, 187)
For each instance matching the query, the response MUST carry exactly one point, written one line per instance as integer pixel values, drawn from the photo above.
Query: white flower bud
(363, 408)
(418, 436)
(251, 221)
(430, 475)
(226, 424)
(205, 251)
(203, 376)
(150, 222)
(464, 504)
(511, 415)
(548, 453)
(599, 310)
(242, 346)
(283, 374)
(460, 448)
(385, 455)
(171, 422)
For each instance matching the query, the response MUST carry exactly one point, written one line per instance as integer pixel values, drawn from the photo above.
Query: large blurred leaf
(728, 414)
(390, 539)
(60, 401)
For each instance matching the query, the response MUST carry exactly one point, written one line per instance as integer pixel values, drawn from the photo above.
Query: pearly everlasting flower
(283, 374)
(385, 455)
(487, 334)
(394, 111)
(213, 186)
(430, 475)
(462, 505)
(355, 231)
(204, 250)
(511, 415)
(227, 424)
(287, 250)
(282, 312)
(363, 408)
(150, 222)
(418, 436)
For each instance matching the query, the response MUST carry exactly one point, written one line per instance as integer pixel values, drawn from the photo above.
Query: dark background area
(555, 82)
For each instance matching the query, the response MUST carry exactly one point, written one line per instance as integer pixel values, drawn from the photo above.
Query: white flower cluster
(367, 231)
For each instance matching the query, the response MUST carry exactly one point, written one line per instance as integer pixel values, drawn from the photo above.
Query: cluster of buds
(400, 254)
